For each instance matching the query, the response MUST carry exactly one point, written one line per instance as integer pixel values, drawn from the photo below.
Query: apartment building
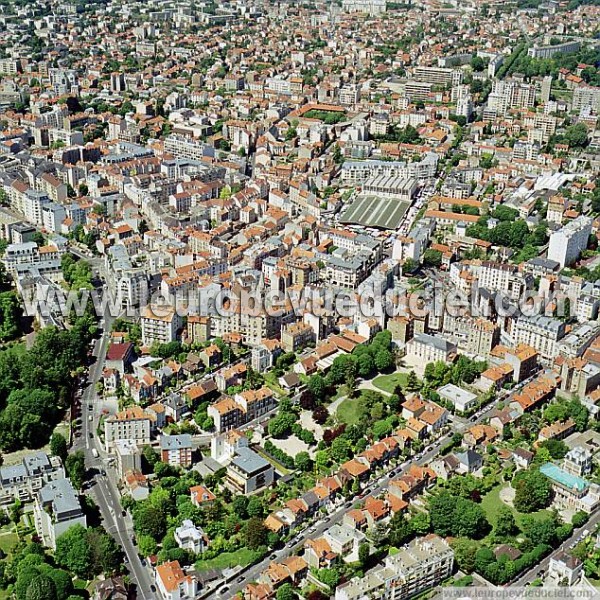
(160, 324)
(296, 336)
(438, 75)
(578, 340)
(130, 424)
(585, 96)
(25, 253)
(502, 277)
(549, 51)
(570, 241)
(254, 326)
(369, 7)
(176, 450)
(55, 510)
(127, 283)
(416, 567)
(542, 333)
(355, 171)
(425, 348)
(507, 94)
(473, 336)
(230, 413)
(23, 481)
(248, 472)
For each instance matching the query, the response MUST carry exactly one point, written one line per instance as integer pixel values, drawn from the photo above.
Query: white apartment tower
(567, 243)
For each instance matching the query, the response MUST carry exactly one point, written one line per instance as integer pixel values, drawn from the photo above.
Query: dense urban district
(299, 299)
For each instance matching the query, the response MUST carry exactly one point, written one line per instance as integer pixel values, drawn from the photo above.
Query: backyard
(226, 560)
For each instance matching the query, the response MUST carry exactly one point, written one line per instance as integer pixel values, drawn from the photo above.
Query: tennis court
(372, 211)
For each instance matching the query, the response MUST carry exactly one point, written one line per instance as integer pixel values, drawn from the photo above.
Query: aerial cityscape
(299, 300)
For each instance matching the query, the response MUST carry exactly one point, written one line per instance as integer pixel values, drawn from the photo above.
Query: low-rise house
(173, 584)
(318, 553)
(113, 588)
(460, 399)
(200, 495)
(565, 569)
(120, 356)
(136, 484)
(556, 431)
(479, 435)
(522, 458)
(211, 356)
(468, 461)
(191, 538)
(344, 540)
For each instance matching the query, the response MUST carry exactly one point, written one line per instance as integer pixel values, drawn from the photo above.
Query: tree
(579, 519)
(384, 359)
(255, 507)
(303, 462)
(150, 520)
(412, 382)
(364, 552)
(150, 455)
(62, 582)
(556, 448)
(240, 506)
(320, 414)
(464, 554)
(400, 530)
(281, 425)
(106, 554)
(286, 592)
(455, 516)
(341, 449)
(316, 384)
(576, 135)
(532, 491)
(58, 446)
(74, 553)
(147, 545)
(255, 533)
(41, 587)
(506, 524)
(432, 258)
(420, 524)
(75, 466)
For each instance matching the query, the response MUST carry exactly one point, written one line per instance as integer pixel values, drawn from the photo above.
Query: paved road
(532, 574)
(375, 488)
(104, 490)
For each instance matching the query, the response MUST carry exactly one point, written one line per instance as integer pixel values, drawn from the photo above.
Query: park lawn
(349, 411)
(387, 383)
(8, 540)
(242, 557)
(491, 504)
